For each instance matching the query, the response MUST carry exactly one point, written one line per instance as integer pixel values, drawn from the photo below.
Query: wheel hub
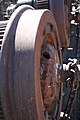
(50, 78)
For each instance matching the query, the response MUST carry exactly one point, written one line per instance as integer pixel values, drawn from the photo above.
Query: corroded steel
(50, 77)
(31, 86)
(60, 11)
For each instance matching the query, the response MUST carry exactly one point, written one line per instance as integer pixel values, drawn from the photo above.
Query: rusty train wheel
(30, 55)
(60, 10)
(6, 65)
(61, 14)
(37, 56)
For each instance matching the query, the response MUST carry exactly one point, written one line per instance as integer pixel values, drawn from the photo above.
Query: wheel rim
(40, 29)
(61, 12)
(23, 85)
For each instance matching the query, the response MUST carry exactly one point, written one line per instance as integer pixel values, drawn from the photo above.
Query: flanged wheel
(31, 84)
(60, 10)
(61, 13)
(37, 56)
(7, 102)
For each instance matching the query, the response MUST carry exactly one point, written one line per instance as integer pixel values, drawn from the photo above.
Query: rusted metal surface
(50, 77)
(31, 86)
(60, 11)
